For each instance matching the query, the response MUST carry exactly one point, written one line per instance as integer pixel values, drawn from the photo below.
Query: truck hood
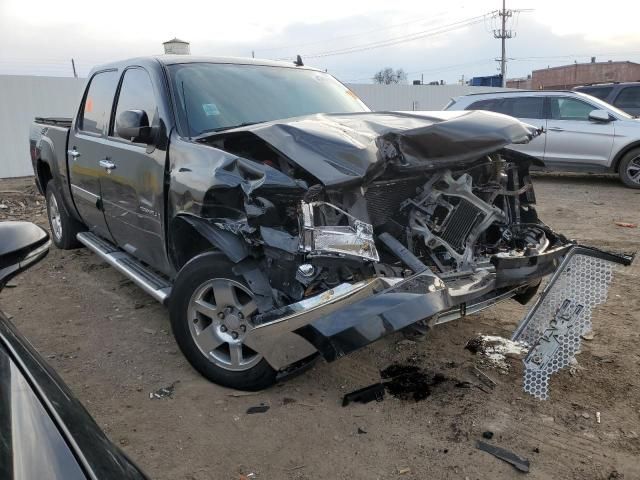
(346, 149)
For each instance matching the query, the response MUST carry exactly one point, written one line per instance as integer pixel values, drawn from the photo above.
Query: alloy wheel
(218, 314)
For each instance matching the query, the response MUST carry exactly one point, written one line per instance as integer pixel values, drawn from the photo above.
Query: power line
(351, 35)
(397, 40)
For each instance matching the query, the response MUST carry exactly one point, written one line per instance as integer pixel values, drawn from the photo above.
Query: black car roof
(182, 59)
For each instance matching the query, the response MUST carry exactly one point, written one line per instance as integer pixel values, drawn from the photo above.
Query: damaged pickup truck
(278, 218)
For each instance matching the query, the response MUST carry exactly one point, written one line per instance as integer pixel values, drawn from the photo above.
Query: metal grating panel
(384, 198)
(460, 222)
(556, 322)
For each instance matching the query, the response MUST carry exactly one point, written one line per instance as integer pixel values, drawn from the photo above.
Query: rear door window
(492, 105)
(629, 97)
(96, 108)
(524, 107)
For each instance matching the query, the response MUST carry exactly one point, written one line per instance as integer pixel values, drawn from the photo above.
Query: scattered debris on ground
(409, 382)
(519, 463)
(26, 203)
(365, 395)
(495, 350)
(164, 392)
(626, 224)
(403, 381)
(262, 408)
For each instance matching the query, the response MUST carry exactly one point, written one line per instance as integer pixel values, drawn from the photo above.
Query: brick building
(569, 76)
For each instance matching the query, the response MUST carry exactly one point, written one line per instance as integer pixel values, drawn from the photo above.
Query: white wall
(21, 99)
(413, 97)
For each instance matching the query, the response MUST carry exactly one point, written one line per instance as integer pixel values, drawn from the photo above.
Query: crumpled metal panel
(561, 315)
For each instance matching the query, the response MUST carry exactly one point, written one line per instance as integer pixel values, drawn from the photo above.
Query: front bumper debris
(562, 314)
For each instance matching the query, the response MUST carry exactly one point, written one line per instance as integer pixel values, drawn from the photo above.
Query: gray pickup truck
(278, 218)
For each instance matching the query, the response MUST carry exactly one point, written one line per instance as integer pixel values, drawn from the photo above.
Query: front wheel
(210, 309)
(629, 169)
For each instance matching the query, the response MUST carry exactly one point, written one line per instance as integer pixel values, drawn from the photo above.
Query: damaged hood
(344, 149)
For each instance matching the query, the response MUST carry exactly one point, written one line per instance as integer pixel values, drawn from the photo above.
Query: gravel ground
(112, 345)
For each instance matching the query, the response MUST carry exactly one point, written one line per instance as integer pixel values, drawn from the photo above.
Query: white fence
(24, 97)
(21, 99)
(413, 97)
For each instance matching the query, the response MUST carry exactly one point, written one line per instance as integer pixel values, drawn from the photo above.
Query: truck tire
(64, 227)
(629, 168)
(209, 310)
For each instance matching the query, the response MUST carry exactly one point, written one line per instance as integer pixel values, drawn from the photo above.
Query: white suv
(583, 133)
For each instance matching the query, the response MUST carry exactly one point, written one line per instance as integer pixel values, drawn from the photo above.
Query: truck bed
(57, 121)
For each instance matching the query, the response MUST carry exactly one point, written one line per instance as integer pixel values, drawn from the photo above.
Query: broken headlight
(352, 237)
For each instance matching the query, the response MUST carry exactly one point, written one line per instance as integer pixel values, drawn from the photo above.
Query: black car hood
(344, 149)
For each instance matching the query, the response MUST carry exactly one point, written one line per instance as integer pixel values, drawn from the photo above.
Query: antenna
(184, 104)
(73, 65)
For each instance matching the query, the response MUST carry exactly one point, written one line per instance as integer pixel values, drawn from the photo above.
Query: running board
(145, 278)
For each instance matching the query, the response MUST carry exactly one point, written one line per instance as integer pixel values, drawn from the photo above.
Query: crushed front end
(393, 219)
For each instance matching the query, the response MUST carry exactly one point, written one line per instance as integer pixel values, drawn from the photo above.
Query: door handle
(556, 129)
(106, 163)
(73, 153)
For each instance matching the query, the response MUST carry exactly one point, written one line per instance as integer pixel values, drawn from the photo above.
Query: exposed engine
(453, 222)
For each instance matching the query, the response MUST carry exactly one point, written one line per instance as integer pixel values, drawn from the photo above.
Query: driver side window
(564, 108)
(136, 93)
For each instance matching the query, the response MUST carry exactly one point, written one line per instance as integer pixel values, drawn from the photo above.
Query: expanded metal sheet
(556, 322)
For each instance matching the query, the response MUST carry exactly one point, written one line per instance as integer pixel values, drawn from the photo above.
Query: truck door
(86, 139)
(133, 188)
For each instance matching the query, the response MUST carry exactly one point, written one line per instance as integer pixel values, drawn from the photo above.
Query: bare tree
(388, 75)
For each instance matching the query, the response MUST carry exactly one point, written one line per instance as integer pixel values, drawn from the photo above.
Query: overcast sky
(424, 38)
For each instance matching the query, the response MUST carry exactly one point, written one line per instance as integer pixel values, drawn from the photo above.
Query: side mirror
(599, 116)
(22, 244)
(133, 125)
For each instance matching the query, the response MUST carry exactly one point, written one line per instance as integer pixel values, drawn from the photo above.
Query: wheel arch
(190, 236)
(615, 165)
(43, 175)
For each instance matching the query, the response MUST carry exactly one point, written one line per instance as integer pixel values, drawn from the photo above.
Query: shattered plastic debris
(626, 224)
(365, 395)
(519, 463)
(409, 382)
(164, 392)
(496, 349)
(262, 408)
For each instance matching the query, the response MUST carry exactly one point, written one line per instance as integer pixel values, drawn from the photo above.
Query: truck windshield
(212, 97)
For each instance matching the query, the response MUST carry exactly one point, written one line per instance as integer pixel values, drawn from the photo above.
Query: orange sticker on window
(88, 107)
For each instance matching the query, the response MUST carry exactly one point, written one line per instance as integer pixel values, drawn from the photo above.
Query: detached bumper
(351, 316)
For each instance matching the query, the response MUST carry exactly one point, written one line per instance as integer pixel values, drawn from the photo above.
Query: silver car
(583, 133)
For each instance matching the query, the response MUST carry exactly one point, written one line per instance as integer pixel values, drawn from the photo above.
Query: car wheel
(629, 169)
(64, 227)
(210, 310)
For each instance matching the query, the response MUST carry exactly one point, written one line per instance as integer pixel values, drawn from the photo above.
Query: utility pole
(503, 34)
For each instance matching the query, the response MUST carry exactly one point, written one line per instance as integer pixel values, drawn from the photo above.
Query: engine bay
(452, 222)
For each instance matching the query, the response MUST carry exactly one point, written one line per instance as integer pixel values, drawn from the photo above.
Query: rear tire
(64, 227)
(209, 308)
(629, 168)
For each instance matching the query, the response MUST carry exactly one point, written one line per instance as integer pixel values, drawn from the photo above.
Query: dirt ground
(112, 345)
